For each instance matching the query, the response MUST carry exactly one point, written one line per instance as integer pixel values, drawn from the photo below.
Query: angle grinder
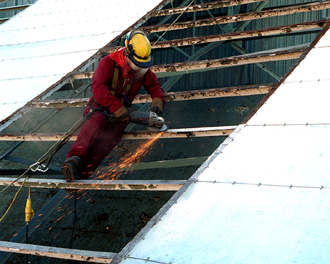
(149, 119)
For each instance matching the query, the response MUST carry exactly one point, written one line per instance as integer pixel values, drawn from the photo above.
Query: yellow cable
(29, 213)
(12, 202)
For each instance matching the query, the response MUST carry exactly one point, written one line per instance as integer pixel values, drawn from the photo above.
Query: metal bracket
(38, 168)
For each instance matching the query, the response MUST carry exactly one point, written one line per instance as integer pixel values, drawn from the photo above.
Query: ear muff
(134, 52)
(129, 36)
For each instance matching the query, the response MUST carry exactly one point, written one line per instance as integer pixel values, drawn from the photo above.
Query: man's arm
(153, 87)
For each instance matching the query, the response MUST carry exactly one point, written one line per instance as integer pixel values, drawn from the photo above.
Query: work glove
(157, 106)
(122, 114)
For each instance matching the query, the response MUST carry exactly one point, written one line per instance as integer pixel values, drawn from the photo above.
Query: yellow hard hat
(138, 48)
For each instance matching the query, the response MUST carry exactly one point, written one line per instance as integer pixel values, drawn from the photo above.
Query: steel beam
(166, 70)
(171, 81)
(111, 185)
(238, 35)
(172, 69)
(36, 221)
(55, 252)
(244, 90)
(203, 7)
(3, 20)
(160, 164)
(13, 8)
(170, 133)
(288, 10)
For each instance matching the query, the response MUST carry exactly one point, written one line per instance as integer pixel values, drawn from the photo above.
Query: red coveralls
(98, 136)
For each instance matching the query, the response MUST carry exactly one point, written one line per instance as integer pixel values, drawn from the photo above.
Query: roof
(38, 40)
(261, 196)
(229, 71)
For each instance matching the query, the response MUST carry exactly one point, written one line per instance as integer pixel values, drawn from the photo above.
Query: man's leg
(77, 156)
(102, 146)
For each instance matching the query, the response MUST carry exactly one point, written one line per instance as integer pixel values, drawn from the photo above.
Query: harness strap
(102, 110)
(126, 88)
(114, 79)
(105, 111)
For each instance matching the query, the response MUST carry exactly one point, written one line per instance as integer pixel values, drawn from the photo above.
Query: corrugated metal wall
(10, 3)
(269, 43)
(240, 75)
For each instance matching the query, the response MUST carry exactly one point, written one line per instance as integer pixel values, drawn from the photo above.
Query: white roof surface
(49, 39)
(263, 196)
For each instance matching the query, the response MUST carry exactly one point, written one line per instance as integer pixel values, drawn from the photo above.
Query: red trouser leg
(95, 141)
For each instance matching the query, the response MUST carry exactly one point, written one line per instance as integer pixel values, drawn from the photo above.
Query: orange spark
(56, 234)
(58, 219)
(128, 160)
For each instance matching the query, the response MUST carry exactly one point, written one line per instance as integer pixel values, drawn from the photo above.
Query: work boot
(70, 168)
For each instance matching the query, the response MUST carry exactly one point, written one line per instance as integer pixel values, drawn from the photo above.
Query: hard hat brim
(141, 63)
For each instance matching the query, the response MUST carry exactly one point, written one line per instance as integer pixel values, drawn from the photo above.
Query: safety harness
(39, 165)
(114, 84)
(113, 89)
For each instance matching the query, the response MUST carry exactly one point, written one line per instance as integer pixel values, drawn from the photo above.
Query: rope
(57, 146)
(12, 202)
(19, 177)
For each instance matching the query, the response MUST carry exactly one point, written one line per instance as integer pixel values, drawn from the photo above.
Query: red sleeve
(100, 85)
(153, 87)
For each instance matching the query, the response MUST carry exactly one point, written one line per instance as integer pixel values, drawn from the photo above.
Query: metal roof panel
(261, 196)
(50, 39)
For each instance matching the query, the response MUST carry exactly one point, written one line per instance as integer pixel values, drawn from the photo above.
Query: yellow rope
(67, 135)
(12, 202)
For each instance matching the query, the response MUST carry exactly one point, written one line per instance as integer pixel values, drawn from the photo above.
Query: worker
(116, 81)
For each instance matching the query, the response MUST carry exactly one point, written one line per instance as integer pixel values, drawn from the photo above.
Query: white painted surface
(224, 223)
(265, 197)
(49, 39)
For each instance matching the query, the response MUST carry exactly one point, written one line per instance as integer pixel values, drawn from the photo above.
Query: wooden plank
(171, 69)
(55, 252)
(146, 134)
(170, 97)
(202, 7)
(288, 10)
(111, 185)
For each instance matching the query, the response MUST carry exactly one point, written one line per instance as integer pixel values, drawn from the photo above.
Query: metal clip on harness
(38, 168)
(92, 110)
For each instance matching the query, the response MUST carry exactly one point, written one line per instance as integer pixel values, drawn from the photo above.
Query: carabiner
(38, 167)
